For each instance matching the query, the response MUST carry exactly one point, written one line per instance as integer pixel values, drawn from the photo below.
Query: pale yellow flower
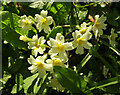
(38, 65)
(23, 38)
(84, 28)
(43, 21)
(112, 38)
(81, 41)
(54, 83)
(25, 22)
(58, 46)
(37, 45)
(99, 25)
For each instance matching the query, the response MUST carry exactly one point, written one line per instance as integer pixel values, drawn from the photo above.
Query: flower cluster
(58, 47)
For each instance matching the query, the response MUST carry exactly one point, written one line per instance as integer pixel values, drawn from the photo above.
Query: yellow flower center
(56, 62)
(80, 41)
(83, 31)
(97, 24)
(26, 22)
(40, 65)
(44, 21)
(60, 47)
(37, 45)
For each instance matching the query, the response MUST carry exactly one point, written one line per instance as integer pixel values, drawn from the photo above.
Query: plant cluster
(65, 45)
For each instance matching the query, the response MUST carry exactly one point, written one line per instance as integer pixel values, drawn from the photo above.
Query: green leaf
(36, 86)
(60, 11)
(28, 82)
(106, 82)
(12, 37)
(115, 88)
(84, 61)
(10, 30)
(10, 19)
(70, 80)
(111, 17)
(14, 89)
(95, 53)
(43, 84)
(111, 47)
(5, 78)
(54, 31)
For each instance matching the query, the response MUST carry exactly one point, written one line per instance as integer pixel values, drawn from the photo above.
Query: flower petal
(68, 46)
(41, 51)
(79, 50)
(31, 45)
(33, 69)
(44, 13)
(31, 60)
(40, 59)
(53, 50)
(39, 27)
(87, 45)
(49, 61)
(35, 38)
(48, 67)
(38, 18)
(47, 29)
(63, 56)
(41, 40)
(35, 52)
(87, 35)
(53, 42)
(60, 38)
(49, 20)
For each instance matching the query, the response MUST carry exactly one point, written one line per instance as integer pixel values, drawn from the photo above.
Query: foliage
(96, 71)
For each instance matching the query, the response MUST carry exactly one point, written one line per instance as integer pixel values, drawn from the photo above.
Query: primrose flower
(81, 41)
(54, 83)
(112, 38)
(39, 66)
(84, 28)
(25, 22)
(43, 21)
(56, 61)
(23, 38)
(58, 45)
(63, 58)
(99, 25)
(37, 45)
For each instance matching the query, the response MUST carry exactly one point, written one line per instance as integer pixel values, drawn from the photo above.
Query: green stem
(16, 8)
(107, 82)
(43, 86)
(84, 5)
(84, 61)
(17, 83)
(111, 47)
